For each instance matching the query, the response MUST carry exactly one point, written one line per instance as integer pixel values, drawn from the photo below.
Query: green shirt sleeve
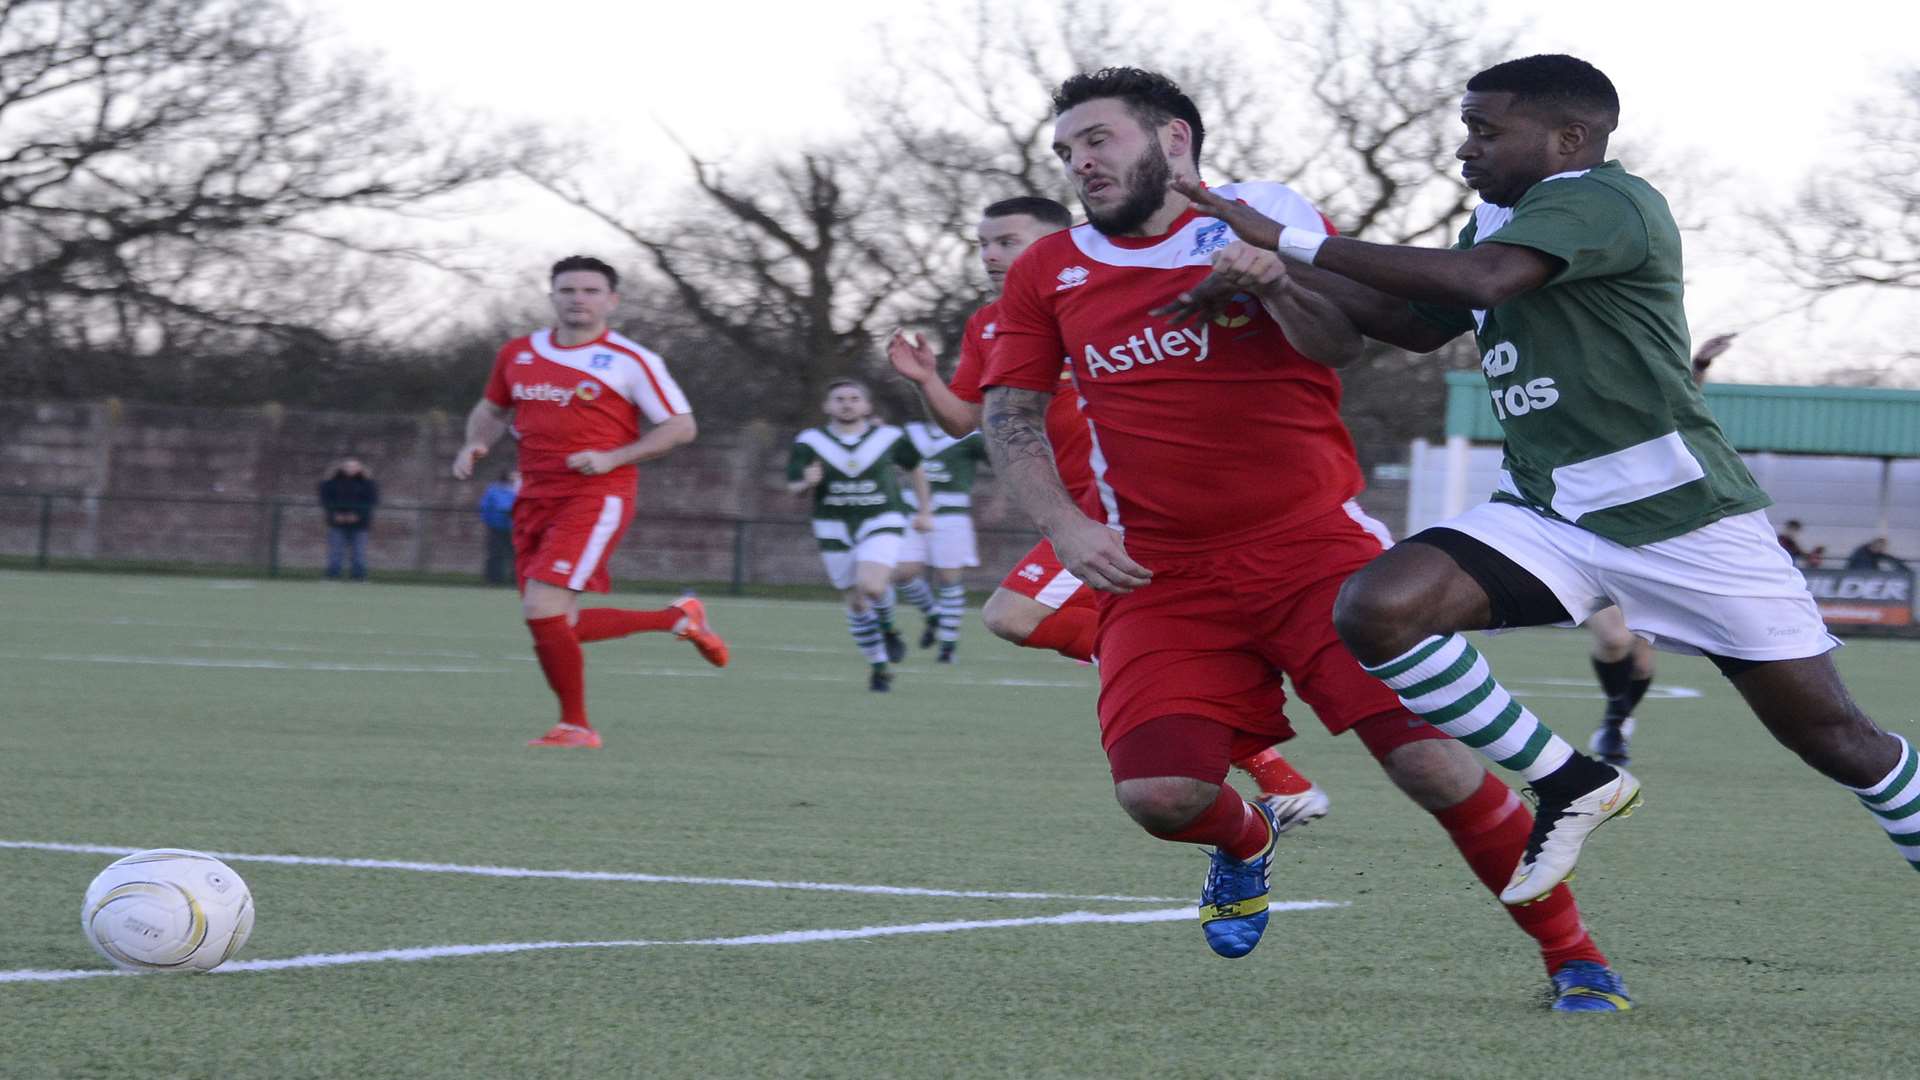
(905, 454)
(798, 459)
(1595, 230)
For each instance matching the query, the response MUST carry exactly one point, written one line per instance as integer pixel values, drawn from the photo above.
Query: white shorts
(878, 547)
(949, 546)
(1728, 588)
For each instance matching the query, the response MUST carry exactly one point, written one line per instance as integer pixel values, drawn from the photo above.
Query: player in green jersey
(1618, 486)
(942, 534)
(851, 465)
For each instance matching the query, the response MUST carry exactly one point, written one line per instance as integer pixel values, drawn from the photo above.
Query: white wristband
(1299, 244)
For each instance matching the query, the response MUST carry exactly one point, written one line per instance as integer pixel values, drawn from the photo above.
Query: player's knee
(1368, 611)
(1009, 619)
(1165, 804)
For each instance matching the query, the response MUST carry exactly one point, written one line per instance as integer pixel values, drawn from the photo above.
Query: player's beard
(1146, 192)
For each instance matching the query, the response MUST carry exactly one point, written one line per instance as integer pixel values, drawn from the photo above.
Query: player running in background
(1040, 604)
(850, 465)
(1619, 487)
(1224, 469)
(942, 534)
(575, 395)
(1622, 659)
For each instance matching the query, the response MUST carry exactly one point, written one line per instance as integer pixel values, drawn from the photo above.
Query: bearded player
(1227, 479)
(574, 395)
(1040, 604)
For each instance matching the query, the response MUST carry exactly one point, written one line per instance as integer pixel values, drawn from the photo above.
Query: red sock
(1275, 775)
(1230, 824)
(1490, 829)
(601, 623)
(1069, 632)
(564, 665)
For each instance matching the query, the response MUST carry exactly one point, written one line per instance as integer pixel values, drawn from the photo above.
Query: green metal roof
(1840, 420)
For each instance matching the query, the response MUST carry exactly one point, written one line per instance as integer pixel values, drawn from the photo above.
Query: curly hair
(1560, 85)
(1151, 97)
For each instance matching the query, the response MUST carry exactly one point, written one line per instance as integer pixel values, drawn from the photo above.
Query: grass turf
(1755, 910)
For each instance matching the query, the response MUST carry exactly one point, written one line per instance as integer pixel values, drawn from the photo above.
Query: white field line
(789, 937)
(243, 664)
(599, 875)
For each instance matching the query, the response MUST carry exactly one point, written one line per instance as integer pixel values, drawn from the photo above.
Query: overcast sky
(1753, 96)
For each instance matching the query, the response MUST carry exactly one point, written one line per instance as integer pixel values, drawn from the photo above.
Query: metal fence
(287, 536)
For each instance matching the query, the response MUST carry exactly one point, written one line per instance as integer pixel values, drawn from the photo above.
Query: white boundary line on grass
(789, 937)
(600, 875)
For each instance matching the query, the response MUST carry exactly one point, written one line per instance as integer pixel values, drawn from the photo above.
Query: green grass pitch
(1760, 918)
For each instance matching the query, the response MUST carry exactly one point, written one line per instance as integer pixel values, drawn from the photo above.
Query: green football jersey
(860, 494)
(1589, 375)
(950, 464)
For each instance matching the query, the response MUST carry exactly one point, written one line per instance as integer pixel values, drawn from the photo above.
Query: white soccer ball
(167, 910)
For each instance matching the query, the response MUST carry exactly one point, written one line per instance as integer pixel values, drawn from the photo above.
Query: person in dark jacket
(347, 499)
(1872, 555)
(496, 510)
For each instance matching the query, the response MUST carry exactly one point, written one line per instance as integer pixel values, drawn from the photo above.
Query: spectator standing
(1872, 555)
(496, 511)
(347, 499)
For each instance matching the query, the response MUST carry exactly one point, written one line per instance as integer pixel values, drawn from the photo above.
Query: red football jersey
(590, 397)
(1066, 428)
(1218, 433)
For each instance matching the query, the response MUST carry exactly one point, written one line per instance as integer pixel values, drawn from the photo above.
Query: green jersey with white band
(1589, 374)
(950, 464)
(860, 494)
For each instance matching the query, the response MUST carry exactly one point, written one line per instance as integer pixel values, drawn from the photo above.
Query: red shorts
(1039, 576)
(1211, 635)
(566, 541)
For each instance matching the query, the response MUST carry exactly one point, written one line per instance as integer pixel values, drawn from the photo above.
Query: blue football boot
(1584, 986)
(1233, 903)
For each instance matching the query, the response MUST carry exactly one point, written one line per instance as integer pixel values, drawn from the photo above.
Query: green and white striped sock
(918, 593)
(1895, 803)
(865, 628)
(953, 606)
(1444, 681)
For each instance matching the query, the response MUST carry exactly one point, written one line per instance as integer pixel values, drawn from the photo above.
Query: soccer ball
(167, 910)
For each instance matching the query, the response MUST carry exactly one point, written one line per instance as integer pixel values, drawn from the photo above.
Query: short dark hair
(1794, 523)
(1152, 98)
(586, 262)
(1033, 206)
(855, 383)
(1565, 86)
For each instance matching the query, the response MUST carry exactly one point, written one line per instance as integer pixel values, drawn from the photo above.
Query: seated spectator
(1872, 555)
(1790, 539)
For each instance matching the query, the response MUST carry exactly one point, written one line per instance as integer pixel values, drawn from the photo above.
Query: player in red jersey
(575, 395)
(1040, 604)
(1225, 471)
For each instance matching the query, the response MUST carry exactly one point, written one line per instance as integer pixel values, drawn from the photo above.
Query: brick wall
(168, 483)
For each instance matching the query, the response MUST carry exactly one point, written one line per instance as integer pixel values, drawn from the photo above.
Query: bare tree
(175, 168)
(1858, 226)
(792, 270)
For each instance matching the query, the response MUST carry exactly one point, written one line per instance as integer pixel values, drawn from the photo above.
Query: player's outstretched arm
(485, 424)
(915, 362)
(1483, 276)
(1016, 430)
(1313, 323)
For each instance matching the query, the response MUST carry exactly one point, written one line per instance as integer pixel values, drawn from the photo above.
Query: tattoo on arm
(1016, 429)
